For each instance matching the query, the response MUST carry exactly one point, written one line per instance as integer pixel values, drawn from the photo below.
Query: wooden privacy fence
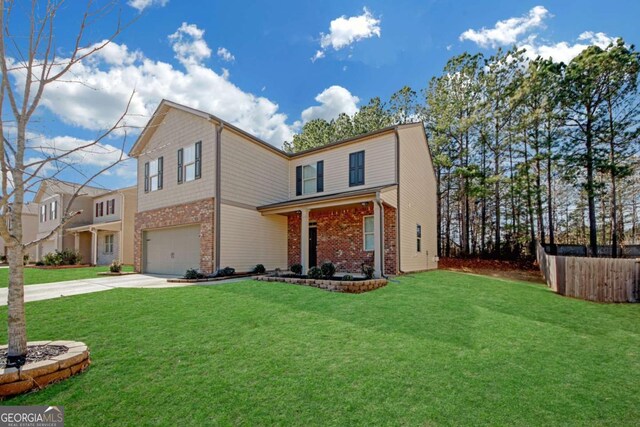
(593, 279)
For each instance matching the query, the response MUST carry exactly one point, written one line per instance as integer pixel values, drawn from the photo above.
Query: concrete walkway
(87, 286)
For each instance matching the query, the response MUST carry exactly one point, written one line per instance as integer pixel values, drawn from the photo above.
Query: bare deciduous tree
(29, 64)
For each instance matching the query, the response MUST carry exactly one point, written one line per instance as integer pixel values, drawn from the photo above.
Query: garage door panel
(172, 250)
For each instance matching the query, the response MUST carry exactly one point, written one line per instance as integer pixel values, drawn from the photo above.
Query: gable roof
(165, 105)
(56, 186)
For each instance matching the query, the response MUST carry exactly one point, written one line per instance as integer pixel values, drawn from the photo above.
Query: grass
(439, 348)
(37, 276)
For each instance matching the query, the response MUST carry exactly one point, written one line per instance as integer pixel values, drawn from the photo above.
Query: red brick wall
(199, 212)
(390, 241)
(340, 238)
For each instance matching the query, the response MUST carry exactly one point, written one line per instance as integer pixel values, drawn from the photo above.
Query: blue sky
(270, 66)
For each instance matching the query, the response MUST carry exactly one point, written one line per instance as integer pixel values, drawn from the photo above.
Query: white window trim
(315, 179)
(108, 243)
(419, 238)
(185, 164)
(156, 176)
(53, 210)
(43, 213)
(365, 233)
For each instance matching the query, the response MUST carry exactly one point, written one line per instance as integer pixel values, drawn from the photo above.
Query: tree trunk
(552, 240)
(591, 197)
(17, 325)
(539, 189)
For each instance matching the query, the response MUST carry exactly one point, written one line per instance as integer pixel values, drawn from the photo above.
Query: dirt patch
(36, 353)
(513, 270)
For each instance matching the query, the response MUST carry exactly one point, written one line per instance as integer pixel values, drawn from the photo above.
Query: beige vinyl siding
(178, 130)
(418, 202)
(128, 224)
(248, 238)
(251, 174)
(117, 214)
(390, 197)
(379, 168)
(49, 224)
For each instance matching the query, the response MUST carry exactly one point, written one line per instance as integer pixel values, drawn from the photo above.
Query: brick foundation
(199, 212)
(340, 238)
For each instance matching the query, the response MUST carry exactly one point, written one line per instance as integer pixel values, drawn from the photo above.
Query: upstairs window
(43, 213)
(368, 233)
(356, 169)
(100, 209)
(190, 163)
(153, 172)
(310, 178)
(111, 206)
(419, 238)
(53, 210)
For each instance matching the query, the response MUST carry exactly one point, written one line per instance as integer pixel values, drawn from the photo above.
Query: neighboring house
(101, 232)
(212, 195)
(29, 229)
(109, 235)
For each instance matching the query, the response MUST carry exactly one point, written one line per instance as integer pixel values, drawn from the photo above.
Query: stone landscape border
(37, 375)
(346, 286)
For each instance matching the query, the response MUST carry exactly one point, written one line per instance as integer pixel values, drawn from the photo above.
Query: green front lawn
(439, 348)
(36, 276)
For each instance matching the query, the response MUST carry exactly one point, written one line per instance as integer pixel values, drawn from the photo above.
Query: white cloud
(105, 83)
(333, 101)
(225, 55)
(345, 31)
(141, 5)
(564, 51)
(188, 44)
(508, 31)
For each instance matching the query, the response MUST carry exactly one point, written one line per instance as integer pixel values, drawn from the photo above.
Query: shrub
(64, 257)
(328, 270)
(222, 272)
(259, 269)
(347, 277)
(39, 263)
(296, 269)
(277, 272)
(3, 258)
(315, 273)
(368, 271)
(193, 274)
(115, 267)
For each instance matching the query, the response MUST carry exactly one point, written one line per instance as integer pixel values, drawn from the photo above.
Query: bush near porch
(439, 348)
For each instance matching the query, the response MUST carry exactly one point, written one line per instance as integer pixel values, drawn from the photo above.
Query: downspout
(398, 249)
(94, 246)
(378, 201)
(218, 194)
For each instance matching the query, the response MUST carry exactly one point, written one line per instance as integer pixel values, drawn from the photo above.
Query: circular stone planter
(37, 375)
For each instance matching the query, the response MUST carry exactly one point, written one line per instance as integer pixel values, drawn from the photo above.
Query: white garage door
(172, 250)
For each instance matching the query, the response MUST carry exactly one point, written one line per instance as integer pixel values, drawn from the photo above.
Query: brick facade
(340, 238)
(199, 212)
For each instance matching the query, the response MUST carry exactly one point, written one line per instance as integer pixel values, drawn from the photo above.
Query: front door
(313, 246)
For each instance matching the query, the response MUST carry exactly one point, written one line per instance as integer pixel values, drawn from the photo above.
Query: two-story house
(109, 235)
(102, 231)
(52, 198)
(212, 195)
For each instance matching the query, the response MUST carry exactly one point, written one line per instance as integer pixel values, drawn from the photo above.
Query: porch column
(304, 240)
(94, 247)
(377, 239)
(76, 241)
(120, 246)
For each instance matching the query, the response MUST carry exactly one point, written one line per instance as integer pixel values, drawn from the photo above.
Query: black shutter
(353, 161)
(298, 180)
(360, 168)
(180, 161)
(160, 170)
(97, 210)
(320, 176)
(146, 180)
(113, 206)
(198, 159)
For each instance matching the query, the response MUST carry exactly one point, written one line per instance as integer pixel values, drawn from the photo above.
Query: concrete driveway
(86, 286)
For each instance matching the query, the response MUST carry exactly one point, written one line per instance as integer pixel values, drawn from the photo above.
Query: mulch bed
(506, 269)
(36, 353)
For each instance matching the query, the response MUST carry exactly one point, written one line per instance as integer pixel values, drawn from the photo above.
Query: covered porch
(100, 244)
(348, 229)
